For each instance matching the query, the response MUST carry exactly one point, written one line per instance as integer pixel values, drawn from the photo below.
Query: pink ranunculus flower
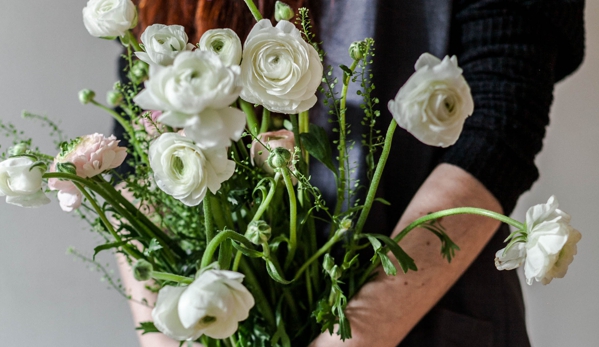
(280, 138)
(93, 154)
(69, 197)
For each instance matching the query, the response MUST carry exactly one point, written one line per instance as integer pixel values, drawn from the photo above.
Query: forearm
(386, 309)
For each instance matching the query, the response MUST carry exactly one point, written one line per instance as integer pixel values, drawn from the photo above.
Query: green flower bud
(345, 224)
(142, 270)
(283, 11)
(357, 50)
(86, 96)
(279, 158)
(328, 263)
(139, 72)
(18, 149)
(258, 232)
(66, 168)
(114, 98)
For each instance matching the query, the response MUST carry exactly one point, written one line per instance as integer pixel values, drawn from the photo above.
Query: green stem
(132, 214)
(165, 276)
(292, 216)
(250, 116)
(318, 253)
(376, 178)
(127, 126)
(265, 120)
(455, 211)
(208, 221)
(255, 12)
(261, 301)
(440, 214)
(343, 165)
(216, 241)
(133, 41)
(127, 248)
(267, 200)
(304, 127)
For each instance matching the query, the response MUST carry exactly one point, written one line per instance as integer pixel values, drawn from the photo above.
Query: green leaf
(147, 327)
(387, 264)
(275, 272)
(383, 201)
(347, 71)
(106, 246)
(247, 252)
(405, 261)
(316, 142)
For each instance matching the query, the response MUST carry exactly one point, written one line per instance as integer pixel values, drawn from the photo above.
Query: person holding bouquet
(512, 53)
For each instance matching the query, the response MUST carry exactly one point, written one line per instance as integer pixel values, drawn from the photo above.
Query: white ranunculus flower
(279, 69)
(194, 93)
(21, 184)
(549, 248)
(109, 18)
(551, 242)
(225, 43)
(435, 101)
(213, 305)
(185, 171)
(162, 43)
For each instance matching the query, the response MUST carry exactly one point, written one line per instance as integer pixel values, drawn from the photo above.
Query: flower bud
(283, 11)
(114, 98)
(86, 96)
(142, 270)
(328, 263)
(279, 158)
(258, 232)
(345, 224)
(139, 72)
(18, 149)
(357, 50)
(67, 167)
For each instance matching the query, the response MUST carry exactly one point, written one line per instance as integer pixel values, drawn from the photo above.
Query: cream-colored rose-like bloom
(223, 42)
(162, 43)
(195, 93)
(551, 242)
(435, 101)
(21, 184)
(109, 18)
(213, 305)
(185, 171)
(279, 69)
(280, 138)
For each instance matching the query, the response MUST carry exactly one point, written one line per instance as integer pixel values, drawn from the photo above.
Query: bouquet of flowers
(218, 207)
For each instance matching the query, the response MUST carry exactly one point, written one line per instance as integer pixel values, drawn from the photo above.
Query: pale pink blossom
(273, 139)
(94, 154)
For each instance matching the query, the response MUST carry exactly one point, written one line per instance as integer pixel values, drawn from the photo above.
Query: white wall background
(49, 299)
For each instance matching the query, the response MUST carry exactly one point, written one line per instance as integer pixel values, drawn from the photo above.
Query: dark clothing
(512, 52)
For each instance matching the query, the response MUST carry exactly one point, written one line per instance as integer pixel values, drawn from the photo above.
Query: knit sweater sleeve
(512, 53)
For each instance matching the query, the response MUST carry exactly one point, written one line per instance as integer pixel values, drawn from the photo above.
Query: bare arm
(386, 309)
